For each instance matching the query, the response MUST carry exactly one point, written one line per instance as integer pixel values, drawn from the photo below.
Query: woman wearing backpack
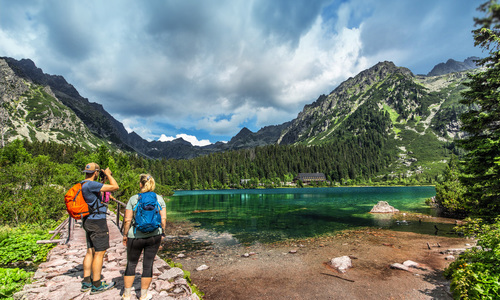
(138, 241)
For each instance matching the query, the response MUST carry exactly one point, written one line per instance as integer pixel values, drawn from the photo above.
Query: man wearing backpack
(96, 228)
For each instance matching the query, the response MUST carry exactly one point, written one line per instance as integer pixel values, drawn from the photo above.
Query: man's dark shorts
(97, 234)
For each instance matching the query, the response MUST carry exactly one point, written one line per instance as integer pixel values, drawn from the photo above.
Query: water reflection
(382, 220)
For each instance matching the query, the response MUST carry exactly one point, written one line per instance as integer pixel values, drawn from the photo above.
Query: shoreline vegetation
(304, 187)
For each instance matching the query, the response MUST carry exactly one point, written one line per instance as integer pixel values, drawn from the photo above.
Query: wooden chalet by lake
(307, 178)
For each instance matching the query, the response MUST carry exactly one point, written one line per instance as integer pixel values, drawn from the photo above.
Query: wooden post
(51, 241)
(118, 215)
(69, 229)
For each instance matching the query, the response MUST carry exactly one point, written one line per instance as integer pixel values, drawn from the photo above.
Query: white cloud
(272, 116)
(228, 125)
(188, 138)
(139, 126)
(322, 60)
(16, 47)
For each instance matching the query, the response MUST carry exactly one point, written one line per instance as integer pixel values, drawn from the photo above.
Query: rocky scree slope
(33, 112)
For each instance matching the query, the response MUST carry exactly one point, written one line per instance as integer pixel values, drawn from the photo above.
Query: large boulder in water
(382, 207)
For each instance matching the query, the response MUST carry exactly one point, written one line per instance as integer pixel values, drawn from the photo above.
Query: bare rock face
(382, 207)
(33, 112)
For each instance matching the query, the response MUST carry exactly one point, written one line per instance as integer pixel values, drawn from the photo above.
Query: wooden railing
(119, 206)
(70, 224)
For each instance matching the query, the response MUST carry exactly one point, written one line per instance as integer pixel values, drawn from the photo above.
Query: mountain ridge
(404, 104)
(452, 66)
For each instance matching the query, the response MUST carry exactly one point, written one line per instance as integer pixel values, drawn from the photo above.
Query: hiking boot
(147, 297)
(104, 287)
(86, 286)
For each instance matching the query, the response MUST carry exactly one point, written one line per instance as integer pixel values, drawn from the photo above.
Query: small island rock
(383, 207)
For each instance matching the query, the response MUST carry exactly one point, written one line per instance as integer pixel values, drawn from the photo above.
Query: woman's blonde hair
(148, 183)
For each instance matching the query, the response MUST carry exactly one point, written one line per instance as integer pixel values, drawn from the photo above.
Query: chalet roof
(310, 176)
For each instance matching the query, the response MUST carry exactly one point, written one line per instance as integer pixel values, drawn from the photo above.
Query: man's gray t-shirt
(91, 194)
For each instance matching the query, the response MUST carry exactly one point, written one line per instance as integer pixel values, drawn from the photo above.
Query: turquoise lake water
(268, 215)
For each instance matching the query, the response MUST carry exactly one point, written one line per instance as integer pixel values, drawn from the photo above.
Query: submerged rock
(202, 268)
(382, 207)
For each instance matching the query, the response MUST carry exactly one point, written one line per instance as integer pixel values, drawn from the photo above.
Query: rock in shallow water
(382, 207)
(202, 268)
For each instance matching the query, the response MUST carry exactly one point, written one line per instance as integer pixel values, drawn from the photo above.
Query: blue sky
(202, 70)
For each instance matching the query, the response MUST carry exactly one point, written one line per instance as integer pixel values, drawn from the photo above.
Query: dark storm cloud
(181, 28)
(442, 29)
(67, 32)
(283, 22)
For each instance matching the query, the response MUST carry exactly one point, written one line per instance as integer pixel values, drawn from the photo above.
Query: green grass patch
(392, 113)
(12, 281)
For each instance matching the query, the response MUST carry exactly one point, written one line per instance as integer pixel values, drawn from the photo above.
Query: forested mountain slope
(390, 110)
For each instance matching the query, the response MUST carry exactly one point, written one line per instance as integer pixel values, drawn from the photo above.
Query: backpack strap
(139, 197)
(92, 210)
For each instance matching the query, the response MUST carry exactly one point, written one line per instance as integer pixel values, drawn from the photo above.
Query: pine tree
(482, 120)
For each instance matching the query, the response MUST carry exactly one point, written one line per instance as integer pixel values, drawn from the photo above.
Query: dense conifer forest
(356, 160)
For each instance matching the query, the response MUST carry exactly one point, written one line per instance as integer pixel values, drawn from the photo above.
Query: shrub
(20, 244)
(476, 273)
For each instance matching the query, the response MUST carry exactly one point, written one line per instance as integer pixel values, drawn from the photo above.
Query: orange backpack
(75, 204)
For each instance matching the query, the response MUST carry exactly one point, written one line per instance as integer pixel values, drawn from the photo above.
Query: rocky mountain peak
(244, 133)
(341, 102)
(378, 72)
(452, 66)
(26, 68)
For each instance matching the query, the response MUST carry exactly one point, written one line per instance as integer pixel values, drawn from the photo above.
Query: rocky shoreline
(385, 264)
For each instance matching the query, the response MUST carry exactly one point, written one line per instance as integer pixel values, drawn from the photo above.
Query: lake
(268, 215)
